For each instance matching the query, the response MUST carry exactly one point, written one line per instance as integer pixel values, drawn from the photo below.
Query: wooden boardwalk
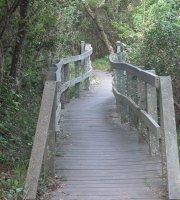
(100, 159)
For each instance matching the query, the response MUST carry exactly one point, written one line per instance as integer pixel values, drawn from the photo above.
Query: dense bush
(160, 47)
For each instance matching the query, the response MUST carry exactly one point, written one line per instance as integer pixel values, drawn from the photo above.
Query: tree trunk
(20, 38)
(7, 14)
(99, 27)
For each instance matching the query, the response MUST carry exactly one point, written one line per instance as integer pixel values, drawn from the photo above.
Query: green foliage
(18, 118)
(101, 64)
(11, 183)
(51, 33)
(158, 48)
(124, 31)
(1, 7)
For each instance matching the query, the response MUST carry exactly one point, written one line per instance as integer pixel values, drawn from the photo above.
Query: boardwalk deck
(99, 159)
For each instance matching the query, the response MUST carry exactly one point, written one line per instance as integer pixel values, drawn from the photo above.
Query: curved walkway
(100, 159)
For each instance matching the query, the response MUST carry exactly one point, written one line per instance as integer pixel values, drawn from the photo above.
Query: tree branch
(99, 27)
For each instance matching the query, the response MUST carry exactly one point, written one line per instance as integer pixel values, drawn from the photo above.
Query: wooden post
(87, 67)
(130, 94)
(152, 110)
(120, 86)
(118, 50)
(121, 54)
(142, 105)
(49, 154)
(82, 61)
(65, 78)
(40, 142)
(77, 74)
(51, 73)
(117, 82)
(170, 158)
(135, 99)
(58, 102)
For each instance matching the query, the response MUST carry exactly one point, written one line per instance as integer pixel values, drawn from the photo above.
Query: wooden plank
(144, 75)
(74, 81)
(99, 159)
(169, 138)
(74, 58)
(40, 139)
(143, 115)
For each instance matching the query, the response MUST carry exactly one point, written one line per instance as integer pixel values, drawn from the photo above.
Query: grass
(12, 181)
(102, 64)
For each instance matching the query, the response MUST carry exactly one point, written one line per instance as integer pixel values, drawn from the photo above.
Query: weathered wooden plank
(151, 97)
(74, 81)
(169, 138)
(144, 116)
(40, 139)
(74, 58)
(100, 159)
(103, 197)
(146, 76)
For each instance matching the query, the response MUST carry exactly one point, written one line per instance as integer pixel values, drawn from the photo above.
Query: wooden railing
(145, 101)
(55, 95)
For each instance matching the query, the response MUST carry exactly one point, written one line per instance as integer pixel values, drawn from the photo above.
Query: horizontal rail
(144, 116)
(68, 60)
(145, 76)
(72, 82)
(75, 58)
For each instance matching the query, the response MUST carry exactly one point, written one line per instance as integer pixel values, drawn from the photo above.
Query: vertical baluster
(142, 105)
(118, 74)
(65, 78)
(130, 95)
(152, 110)
(62, 74)
(77, 74)
(123, 91)
(118, 50)
(58, 111)
(135, 98)
(62, 95)
(117, 82)
(83, 60)
(87, 67)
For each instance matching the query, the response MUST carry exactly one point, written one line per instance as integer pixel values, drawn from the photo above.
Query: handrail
(64, 61)
(55, 95)
(145, 101)
(141, 74)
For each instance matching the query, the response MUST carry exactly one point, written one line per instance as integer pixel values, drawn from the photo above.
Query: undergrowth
(18, 118)
(102, 64)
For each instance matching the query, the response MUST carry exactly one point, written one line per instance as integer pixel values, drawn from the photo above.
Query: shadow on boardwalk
(100, 159)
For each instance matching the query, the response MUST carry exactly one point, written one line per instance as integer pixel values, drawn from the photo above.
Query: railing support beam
(170, 158)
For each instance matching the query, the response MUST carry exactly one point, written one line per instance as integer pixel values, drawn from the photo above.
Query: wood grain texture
(143, 75)
(40, 140)
(98, 158)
